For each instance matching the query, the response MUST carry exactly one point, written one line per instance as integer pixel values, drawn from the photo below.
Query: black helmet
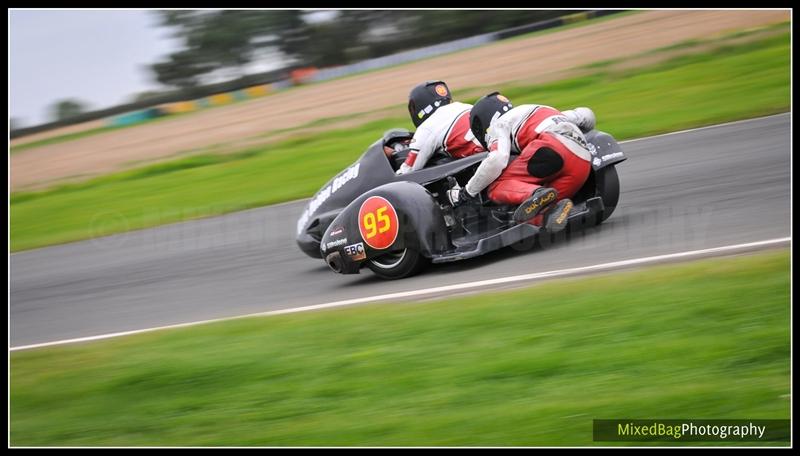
(484, 111)
(426, 98)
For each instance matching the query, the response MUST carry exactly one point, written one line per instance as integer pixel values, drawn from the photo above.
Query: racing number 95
(372, 226)
(377, 222)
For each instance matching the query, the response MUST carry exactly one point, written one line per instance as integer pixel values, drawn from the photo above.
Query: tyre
(397, 265)
(607, 184)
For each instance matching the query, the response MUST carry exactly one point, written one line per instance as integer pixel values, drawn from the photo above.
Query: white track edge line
(434, 290)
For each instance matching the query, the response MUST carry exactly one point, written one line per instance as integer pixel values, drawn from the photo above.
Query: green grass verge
(59, 139)
(96, 131)
(729, 84)
(701, 340)
(723, 41)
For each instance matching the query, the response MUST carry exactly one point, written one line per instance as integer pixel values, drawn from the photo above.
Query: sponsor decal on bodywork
(355, 251)
(612, 156)
(378, 222)
(323, 195)
(336, 243)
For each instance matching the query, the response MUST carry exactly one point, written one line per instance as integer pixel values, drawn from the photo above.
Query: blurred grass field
(59, 139)
(702, 340)
(728, 83)
(15, 149)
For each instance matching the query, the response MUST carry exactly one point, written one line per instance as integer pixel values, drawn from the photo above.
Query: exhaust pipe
(334, 260)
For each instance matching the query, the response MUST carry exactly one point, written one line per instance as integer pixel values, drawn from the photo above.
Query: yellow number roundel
(377, 222)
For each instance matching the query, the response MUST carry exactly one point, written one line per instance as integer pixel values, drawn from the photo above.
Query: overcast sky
(99, 57)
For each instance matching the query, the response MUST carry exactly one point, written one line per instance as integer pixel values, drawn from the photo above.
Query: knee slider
(545, 162)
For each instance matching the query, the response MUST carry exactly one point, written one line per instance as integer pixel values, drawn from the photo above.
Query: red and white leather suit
(524, 130)
(447, 129)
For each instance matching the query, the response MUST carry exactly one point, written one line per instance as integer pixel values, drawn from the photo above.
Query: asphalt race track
(728, 184)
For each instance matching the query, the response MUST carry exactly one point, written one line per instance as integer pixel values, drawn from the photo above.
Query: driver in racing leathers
(442, 125)
(553, 159)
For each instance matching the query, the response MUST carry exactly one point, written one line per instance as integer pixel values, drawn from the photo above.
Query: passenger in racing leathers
(442, 125)
(538, 159)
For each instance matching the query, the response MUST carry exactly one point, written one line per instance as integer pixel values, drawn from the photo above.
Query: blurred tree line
(215, 41)
(67, 109)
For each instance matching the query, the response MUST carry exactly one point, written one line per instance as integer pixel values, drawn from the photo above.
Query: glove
(403, 169)
(588, 118)
(582, 117)
(459, 195)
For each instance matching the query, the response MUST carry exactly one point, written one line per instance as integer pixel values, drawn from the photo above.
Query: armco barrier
(180, 107)
(257, 91)
(402, 57)
(253, 80)
(550, 23)
(220, 99)
(137, 117)
(452, 46)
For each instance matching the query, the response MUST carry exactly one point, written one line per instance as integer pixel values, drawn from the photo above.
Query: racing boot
(556, 217)
(540, 199)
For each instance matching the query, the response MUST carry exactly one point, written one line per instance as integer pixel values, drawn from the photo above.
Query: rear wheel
(397, 264)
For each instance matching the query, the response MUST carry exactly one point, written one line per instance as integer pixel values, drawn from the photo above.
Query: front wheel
(607, 183)
(398, 264)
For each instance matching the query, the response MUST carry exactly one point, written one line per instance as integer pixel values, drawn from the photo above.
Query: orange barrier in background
(220, 99)
(179, 107)
(301, 75)
(194, 105)
(257, 91)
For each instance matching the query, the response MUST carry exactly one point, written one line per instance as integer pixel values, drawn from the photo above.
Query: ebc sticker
(378, 223)
(356, 251)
